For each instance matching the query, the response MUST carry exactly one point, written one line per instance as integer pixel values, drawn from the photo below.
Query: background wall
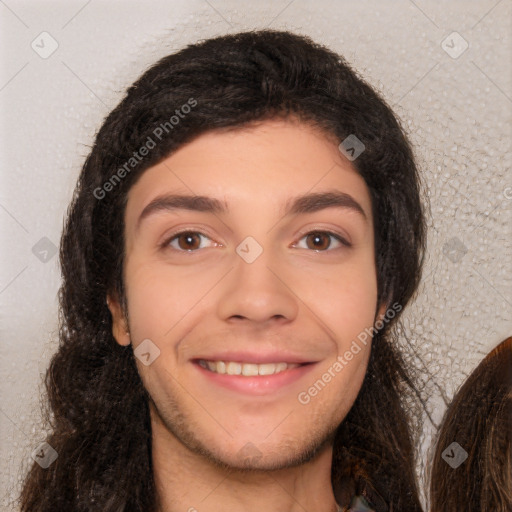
(444, 67)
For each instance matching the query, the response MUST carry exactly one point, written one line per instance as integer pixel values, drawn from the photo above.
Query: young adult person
(242, 241)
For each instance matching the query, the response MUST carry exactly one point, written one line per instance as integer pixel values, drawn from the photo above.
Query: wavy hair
(479, 419)
(97, 407)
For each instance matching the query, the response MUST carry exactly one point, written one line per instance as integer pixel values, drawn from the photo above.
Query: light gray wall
(457, 109)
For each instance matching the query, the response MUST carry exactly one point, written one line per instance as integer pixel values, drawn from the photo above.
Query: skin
(298, 295)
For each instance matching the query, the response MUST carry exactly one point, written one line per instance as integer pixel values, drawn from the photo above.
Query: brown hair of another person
(479, 419)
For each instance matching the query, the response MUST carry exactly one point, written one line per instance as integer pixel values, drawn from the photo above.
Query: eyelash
(338, 237)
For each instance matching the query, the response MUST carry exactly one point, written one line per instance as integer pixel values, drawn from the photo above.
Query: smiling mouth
(247, 369)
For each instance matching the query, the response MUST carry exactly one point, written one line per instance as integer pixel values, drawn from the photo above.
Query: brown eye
(318, 241)
(322, 241)
(187, 241)
(190, 241)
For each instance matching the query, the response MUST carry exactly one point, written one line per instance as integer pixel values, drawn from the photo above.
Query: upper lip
(256, 357)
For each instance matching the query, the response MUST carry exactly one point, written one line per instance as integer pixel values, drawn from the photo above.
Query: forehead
(263, 165)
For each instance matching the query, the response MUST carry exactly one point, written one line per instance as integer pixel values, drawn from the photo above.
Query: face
(252, 279)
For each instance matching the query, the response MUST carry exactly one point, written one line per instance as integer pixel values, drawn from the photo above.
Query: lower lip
(257, 384)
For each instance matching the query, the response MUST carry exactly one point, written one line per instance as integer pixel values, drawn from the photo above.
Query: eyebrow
(307, 203)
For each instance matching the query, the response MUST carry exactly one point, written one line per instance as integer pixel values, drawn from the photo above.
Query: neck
(188, 481)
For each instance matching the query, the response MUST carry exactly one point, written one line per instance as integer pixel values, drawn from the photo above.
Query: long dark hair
(479, 420)
(97, 406)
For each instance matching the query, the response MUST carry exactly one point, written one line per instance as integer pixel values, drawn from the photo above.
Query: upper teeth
(247, 369)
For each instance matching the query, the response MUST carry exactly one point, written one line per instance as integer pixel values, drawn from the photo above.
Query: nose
(260, 292)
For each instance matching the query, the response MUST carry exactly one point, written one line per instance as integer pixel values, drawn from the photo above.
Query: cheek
(345, 300)
(156, 299)
(160, 295)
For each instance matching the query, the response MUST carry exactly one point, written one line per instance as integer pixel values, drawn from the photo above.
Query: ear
(381, 312)
(119, 325)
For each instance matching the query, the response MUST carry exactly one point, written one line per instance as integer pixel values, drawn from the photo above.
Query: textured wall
(455, 102)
